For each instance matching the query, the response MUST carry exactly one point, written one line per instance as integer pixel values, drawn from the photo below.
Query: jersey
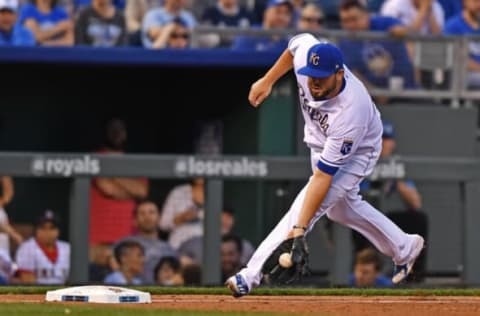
(30, 257)
(344, 131)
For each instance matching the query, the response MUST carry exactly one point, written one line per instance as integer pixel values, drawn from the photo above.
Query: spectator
(367, 270)
(102, 263)
(100, 25)
(278, 16)
(468, 23)
(135, 10)
(228, 222)
(12, 33)
(49, 23)
(112, 200)
(420, 16)
(182, 213)
(192, 249)
(168, 272)
(130, 256)
(147, 217)
(175, 35)
(6, 229)
(375, 62)
(451, 7)
(226, 13)
(192, 274)
(311, 18)
(156, 20)
(43, 259)
(231, 255)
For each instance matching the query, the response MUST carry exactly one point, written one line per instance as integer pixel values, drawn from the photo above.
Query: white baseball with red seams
(344, 134)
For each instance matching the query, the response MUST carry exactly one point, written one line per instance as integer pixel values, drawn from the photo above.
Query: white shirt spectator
(179, 200)
(32, 258)
(405, 11)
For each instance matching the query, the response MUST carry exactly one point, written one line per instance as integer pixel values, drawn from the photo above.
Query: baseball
(285, 260)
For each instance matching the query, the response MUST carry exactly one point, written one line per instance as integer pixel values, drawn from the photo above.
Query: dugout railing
(82, 167)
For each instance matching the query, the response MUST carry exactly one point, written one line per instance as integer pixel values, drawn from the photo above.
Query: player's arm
(8, 191)
(317, 189)
(262, 88)
(26, 264)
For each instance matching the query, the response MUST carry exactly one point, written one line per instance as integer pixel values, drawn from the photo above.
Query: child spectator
(168, 272)
(367, 270)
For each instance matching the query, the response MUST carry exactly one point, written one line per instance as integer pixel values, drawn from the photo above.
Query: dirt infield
(307, 305)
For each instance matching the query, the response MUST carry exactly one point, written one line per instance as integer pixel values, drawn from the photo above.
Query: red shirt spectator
(112, 200)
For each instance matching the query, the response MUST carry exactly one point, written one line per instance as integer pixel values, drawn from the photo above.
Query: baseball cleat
(237, 286)
(400, 272)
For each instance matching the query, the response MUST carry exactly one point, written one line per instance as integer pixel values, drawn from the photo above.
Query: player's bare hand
(259, 91)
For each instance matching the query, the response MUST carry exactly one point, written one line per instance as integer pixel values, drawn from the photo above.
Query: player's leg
(385, 235)
(251, 276)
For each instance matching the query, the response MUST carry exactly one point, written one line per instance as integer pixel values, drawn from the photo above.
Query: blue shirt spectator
(457, 25)
(467, 23)
(278, 15)
(156, 19)
(118, 278)
(367, 270)
(451, 7)
(49, 22)
(381, 281)
(226, 13)
(11, 33)
(375, 61)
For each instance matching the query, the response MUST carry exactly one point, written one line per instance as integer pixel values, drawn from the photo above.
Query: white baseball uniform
(30, 257)
(344, 135)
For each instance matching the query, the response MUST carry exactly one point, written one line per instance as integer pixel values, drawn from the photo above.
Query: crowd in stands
(160, 24)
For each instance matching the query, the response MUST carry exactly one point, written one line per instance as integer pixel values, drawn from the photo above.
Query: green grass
(29, 309)
(274, 291)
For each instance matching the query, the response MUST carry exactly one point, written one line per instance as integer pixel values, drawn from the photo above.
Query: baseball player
(43, 259)
(344, 132)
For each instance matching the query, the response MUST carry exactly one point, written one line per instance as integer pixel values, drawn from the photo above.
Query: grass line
(271, 291)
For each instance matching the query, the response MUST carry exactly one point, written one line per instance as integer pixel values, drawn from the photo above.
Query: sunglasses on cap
(180, 35)
(312, 19)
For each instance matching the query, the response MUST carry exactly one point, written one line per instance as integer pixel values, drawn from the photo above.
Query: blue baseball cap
(274, 3)
(323, 60)
(388, 130)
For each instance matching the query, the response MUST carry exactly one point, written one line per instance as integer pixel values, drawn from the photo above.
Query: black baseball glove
(275, 274)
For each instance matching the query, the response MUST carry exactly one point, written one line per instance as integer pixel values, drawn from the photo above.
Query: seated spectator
(7, 231)
(311, 18)
(278, 15)
(226, 13)
(156, 20)
(130, 256)
(375, 62)
(168, 272)
(192, 274)
(102, 263)
(451, 7)
(11, 32)
(467, 22)
(147, 217)
(175, 35)
(228, 222)
(192, 249)
(112, 200)
(49, 23)
(135, 10)
(231, 255)
(43, 259)
(100, 25)
(420, 16)
(367, 270)
(182, 213)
